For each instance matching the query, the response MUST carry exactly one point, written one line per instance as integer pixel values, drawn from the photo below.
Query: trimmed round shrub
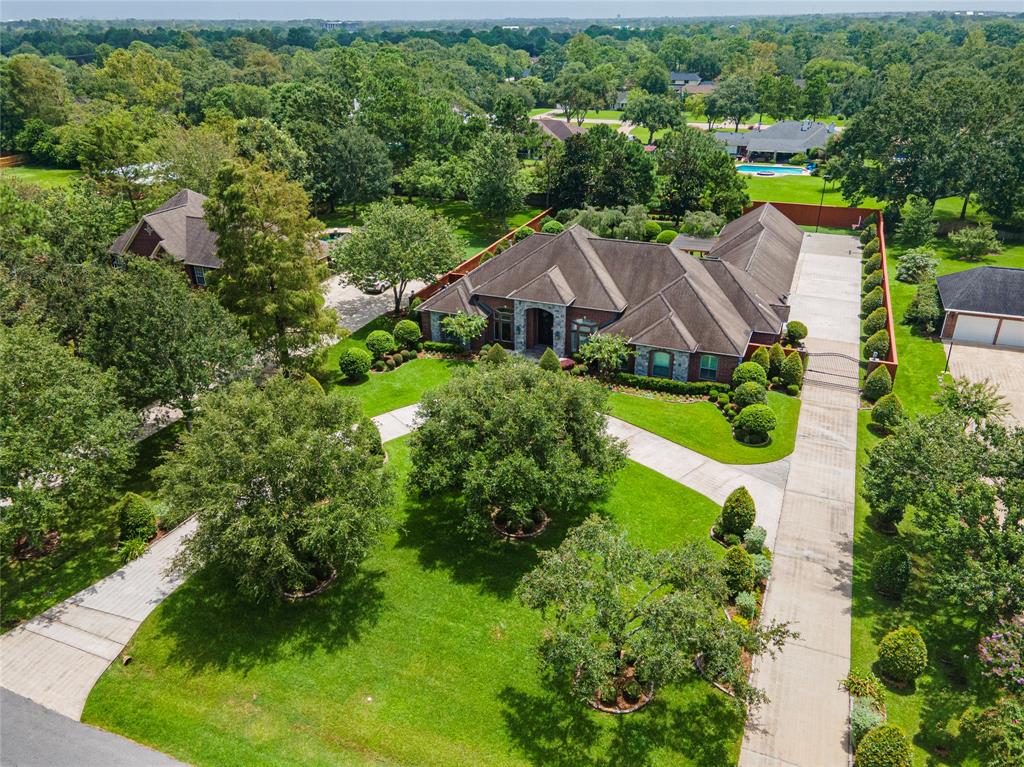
(756, 420)
(887, 412)
(389, 363)
(406, 333)
(864, 717)
(651, 230)
(522, 233)
(873, 264)
(872, 300)
(354, 363)
(876, 321)
(753, 539)
(762, 358)
(738, 569)
(873, 280)
(738, 513)
(553, 227)
(665, 236)
(793, 390)
(380, 366)
(877, 384)
(749, 371)
(135, 518)
(762, 567)
(884, 746)
(746, 603)
(792, 373)
(409, 354)
(380, 343)
(796, 331)
(723, 399)
(877, 345)
(902, 654)
(871, 247)
(750, 393)
(890, 571)
(868, 233)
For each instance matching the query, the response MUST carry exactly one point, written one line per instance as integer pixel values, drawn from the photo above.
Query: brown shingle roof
(560, 129)
(182, 229)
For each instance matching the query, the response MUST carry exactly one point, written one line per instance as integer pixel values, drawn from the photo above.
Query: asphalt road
(33, 736)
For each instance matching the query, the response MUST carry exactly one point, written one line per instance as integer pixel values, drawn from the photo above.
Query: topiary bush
(776, 356)
(864, 717)
(135, 518)
(793, 390)
(738, 513)
(354, 363)
(651, 230)
(406, 333)
(553, 227)
(872, 300)
(973, 243)
(756, 421)
(877, 345)
(873, 280)
(746, 603)
(871, 247)
(665, 236)
(884, 746)
(877, 320)
(753, 539)
(749, 371)
(877, 384)
(792, 372)
(887, 412)
(750, 393)
(873, 264)
(380, 343)
(868, 233)
(380, 366)
(761, 357)
(443, 347)
(549, 361)
(521, 233)
(796, 332)
(738, 569)
(890, 571)
(902, 655)
(494, 354)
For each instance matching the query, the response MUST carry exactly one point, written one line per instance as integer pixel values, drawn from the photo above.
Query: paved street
(33, 736)
(806, 722)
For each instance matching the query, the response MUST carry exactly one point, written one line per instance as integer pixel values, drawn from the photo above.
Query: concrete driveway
(999, 364)
(354, 307)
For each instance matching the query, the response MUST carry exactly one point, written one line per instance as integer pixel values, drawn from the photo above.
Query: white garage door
(978, 330)
(1012, 333)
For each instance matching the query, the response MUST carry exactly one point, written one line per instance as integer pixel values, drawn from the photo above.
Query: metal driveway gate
(833, 369)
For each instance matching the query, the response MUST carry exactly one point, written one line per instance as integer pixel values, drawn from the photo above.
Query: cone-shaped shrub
(873, 280)
(549, 361)
(792, 372)
(877, 384)
(876, 321)
(738, 569)
(776, 357)
(890, 571)
(871, 301)
(761, 358)
(877, 345)
(738, 513)
(887, 412)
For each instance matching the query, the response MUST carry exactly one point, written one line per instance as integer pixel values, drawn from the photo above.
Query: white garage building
(984, 305)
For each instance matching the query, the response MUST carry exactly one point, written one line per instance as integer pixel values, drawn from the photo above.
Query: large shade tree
(398, 243)
(496, 185)
(602, 168)
(627, 621)
(65, 437)
(517, 443)
(697, 174)
(166, 341)
(271, 274)
(288, 486)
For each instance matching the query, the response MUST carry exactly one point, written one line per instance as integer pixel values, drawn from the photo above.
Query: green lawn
(86, 553)
(44, 177)
(424, 658)
(540, 111)
(929, 711)
(603, 114)
(701, 426)
(477, 231)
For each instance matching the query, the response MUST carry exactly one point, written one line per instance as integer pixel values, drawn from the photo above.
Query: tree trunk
(963, 210)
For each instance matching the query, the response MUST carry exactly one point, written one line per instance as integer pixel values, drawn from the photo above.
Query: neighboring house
(177, 229)
(778, 142)
(685, 317)
(560, 129)
(680, 80)
(984, 305)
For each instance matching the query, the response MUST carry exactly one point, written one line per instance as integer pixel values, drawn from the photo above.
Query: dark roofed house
(177, 229)
(560, 129)
(984, 305)
(685, 317)
(680, 80)
(777, 142)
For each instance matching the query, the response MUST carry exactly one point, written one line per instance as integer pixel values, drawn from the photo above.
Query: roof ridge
(598, 267)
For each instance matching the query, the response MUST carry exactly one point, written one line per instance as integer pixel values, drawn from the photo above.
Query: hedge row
(441, 347)
(667, 385)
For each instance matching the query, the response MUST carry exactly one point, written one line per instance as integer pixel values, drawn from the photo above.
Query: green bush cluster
(762, 358)
(753, 539)
(738, 513)
(738, 569)
(133, 548)
(902, 654)
(762, 566)
(135, 518)
(864, 717)
(871, 247)
(651, 230)
(443, 347)
(756, 421)
(884, 746)
(925, 309)
(380, 343)
(796, 331)
(354, 363)
(406, 333)
(521, 233)
(665, 236)
(873, 264)
(868, 233)
(877, 345)
(876, 321)
(666, 385)
(872, 300)
(746, 603)
(553, 227)
(749, 371)
(750, 393)
(877, 384)
(792, 372)
(873, 280)
(549, 361)
(887, 412)
(890, 571)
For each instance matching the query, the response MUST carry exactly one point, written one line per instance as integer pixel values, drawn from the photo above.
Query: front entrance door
(545, 328)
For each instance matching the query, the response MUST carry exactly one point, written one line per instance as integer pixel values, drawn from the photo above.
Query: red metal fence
(892, 360)
(803, 214)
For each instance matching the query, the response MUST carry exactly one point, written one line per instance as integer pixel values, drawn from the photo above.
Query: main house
(687, 317)
(777, 142)
(176, 230)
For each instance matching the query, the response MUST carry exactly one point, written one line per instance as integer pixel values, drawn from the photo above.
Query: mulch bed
(624, 704)
(521, 533)
(320, 587)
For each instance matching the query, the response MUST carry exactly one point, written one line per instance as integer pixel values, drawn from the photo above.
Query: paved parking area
(1002, 366)
(354, 307)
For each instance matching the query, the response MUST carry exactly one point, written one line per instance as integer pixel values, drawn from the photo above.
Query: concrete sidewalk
(806, 722)
(56, 658)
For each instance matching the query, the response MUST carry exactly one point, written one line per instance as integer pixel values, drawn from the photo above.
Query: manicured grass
(44, 177)
(540, 111)
(603, 114)
(87, 552)
(701, 426)
(477, 231)
(424, 658)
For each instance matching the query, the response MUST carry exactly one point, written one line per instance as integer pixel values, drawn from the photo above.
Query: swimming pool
(775, 170)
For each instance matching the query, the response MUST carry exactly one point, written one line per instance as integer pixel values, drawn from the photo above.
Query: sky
(465, 9)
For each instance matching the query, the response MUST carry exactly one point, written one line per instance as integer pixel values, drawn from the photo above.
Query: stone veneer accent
(557, 332)
(680, 362)
(435, 326)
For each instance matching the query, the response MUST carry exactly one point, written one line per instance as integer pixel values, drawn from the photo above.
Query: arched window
(661, 364)
(581, 331)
